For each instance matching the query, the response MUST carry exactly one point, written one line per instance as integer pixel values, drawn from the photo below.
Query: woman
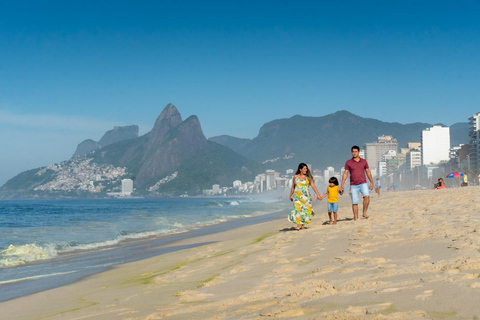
(441, 184)
(300, 194)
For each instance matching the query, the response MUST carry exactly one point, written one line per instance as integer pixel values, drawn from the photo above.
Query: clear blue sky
(71, 70)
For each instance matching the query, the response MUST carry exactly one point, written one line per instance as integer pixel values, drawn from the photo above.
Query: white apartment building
(435, 145)
(382, 168)
(127, 187)
(237, 184)
(413, 159)
(271, 176)
(328, 173)
(474, 134)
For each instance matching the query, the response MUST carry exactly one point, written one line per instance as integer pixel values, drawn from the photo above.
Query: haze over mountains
(325, 141)
(175, 156)
(115, 135)
(173, 148)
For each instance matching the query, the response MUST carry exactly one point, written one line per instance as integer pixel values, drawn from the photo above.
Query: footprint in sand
(237, 270)
(425, 295)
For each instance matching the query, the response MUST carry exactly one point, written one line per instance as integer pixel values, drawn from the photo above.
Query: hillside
(172, 158)
(326, 141)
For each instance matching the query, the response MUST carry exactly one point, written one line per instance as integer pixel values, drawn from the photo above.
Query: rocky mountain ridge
(115, 135)
(174, 157)
(324, 141)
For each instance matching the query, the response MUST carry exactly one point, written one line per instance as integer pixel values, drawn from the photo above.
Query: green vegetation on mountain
(324, 141)
(26, 181)
(215, 164)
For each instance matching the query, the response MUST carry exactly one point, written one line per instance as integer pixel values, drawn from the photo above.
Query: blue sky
(71, 70)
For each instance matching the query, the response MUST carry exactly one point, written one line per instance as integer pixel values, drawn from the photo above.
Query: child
(332, 191)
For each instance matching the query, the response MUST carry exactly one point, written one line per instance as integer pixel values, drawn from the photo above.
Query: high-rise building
(216, 189)
(413, 159)
(435, 145)
(328, 173)
(374, 151)
(271, 176)
(474, 147)
(127, 187)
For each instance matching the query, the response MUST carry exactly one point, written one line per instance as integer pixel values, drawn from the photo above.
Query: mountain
(86, 147)
(172, 158)
(324, 141)
(233, 143)
(115, 135)
(119, 134)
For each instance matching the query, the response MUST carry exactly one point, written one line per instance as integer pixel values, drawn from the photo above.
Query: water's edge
(43, 276)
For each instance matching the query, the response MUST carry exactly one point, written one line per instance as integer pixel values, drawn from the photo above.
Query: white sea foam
(35, 277)
(17, 255)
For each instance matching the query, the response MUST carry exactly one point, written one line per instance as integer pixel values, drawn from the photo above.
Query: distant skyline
(72, 70)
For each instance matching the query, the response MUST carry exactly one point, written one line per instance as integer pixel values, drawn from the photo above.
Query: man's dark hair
(356, 147)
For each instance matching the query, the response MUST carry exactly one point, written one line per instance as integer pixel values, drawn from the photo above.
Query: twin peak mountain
(176, 145)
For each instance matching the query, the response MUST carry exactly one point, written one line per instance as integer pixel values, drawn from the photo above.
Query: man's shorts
(363, 188)
(333, 207)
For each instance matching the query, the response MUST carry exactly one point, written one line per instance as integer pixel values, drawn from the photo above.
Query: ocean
(49, 243)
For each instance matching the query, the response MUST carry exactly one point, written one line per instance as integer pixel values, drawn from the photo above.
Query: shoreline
(31, 278)
(416, 257)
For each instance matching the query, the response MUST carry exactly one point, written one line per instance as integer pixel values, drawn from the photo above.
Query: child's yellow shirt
(333, 194)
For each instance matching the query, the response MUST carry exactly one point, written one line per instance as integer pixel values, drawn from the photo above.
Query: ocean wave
(224, 203)
(18, 255)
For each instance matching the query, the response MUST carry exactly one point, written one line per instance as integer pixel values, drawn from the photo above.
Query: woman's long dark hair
(309, 174)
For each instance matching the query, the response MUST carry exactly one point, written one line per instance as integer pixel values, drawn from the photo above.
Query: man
(357, 167)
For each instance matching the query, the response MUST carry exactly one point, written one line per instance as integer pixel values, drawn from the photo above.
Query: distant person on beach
(300, 195)
(440, 184)
(357, 167)
(465, 180)
(332, 192)
(378, 187)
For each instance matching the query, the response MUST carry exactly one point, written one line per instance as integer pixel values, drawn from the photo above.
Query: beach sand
(418, 256)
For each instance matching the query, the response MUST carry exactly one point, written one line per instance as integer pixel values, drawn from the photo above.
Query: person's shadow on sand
(289, 229)
(338, 220)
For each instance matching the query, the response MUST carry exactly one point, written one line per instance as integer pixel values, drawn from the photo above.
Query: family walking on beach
(303, 179)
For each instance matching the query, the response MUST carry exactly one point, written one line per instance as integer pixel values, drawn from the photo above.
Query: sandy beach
(418, 256)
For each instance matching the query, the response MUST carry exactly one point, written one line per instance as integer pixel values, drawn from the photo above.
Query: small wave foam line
(224, 203)
(35, 277)
(16, 255)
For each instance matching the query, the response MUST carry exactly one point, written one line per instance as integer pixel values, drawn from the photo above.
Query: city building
(237, 184)
(382, 168)
(394, 162)
(474, 146)
(435, 145)
(413, 158)
(374, 151)
(127, 187)
(271, 176)
(328, 173)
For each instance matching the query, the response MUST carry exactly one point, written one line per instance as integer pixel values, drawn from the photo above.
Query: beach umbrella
(455, 174)
(393, 186)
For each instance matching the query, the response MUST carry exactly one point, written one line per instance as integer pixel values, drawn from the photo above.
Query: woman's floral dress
(302, 212)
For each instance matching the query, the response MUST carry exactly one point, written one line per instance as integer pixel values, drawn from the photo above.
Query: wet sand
(418, 256)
